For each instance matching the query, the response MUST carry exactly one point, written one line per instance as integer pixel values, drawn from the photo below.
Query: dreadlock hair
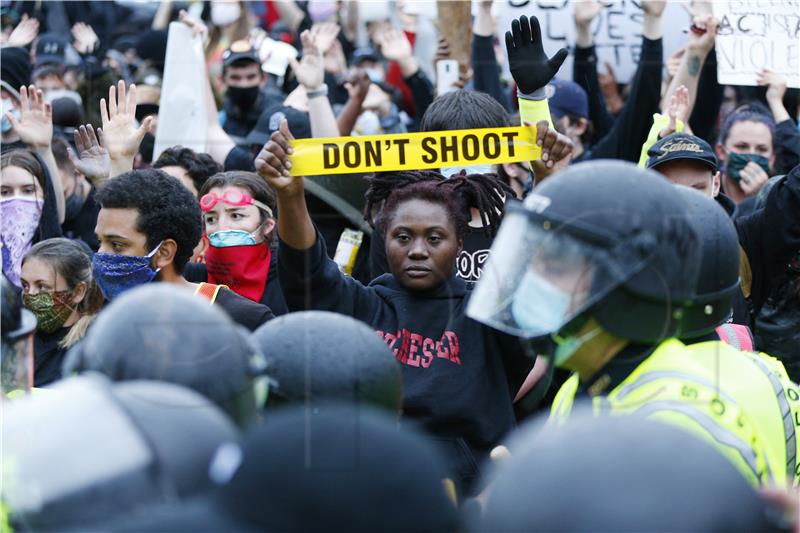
(460, 193)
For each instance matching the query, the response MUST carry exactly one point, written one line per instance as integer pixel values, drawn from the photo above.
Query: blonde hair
(73, 263)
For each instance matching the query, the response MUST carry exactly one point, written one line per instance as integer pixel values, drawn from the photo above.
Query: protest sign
(182, 110)
(617, 30)
(757, 34)
(413, 151)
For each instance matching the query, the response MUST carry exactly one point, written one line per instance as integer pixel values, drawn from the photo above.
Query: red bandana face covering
(244, 269)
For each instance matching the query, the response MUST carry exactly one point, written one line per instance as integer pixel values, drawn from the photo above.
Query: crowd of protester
(606, 338)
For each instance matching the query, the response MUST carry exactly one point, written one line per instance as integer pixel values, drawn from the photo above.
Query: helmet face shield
(539, 277)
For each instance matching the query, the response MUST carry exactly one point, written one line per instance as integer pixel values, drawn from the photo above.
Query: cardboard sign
(182, 109)
(757, 34)
(617, 30)
(413, 151)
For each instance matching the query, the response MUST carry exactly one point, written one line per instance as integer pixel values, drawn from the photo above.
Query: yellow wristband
(534, 111)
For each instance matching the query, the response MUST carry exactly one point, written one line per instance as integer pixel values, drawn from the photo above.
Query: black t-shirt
(272, 297)
(48, 356)
(243, 311)
(82, 226)
(469, 265)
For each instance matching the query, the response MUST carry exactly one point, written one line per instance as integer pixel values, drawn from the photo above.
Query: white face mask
(448, 172)
(225, 13)
(368, 123)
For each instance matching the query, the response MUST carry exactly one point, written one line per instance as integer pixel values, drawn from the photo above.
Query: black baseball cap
(50, 50)
(270, 121)
(681, 146)
(337, 467)
(364, 54)
(238, 51)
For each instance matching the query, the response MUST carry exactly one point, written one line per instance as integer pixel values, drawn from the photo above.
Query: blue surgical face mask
(232, 237)
(539, 307)
(7, 105)
(116, 273)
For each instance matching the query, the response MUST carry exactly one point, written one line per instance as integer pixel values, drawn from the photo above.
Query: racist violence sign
(757, 34)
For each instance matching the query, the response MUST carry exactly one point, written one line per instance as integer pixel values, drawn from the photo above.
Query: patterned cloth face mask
(116, 273)
(52, 309)
(19, 219)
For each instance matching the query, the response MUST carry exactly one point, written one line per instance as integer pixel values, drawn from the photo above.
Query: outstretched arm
(294, 223)
(35, 128)
(310, 72)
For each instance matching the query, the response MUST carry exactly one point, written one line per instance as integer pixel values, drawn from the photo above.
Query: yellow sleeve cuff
(659, 123)
(534, 111)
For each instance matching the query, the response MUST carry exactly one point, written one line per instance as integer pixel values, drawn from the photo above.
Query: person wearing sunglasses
(148, 226)
(239, 229)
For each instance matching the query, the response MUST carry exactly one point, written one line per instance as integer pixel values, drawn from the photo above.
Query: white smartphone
(446, 75)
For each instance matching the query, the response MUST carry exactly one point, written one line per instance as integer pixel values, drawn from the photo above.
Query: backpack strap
(209, 291)
(737, 335)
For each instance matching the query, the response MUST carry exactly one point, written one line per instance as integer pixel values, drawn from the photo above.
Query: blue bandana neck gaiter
(116, 273)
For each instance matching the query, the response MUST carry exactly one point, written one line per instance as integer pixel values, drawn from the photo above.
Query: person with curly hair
(459, 377)
(148, 226)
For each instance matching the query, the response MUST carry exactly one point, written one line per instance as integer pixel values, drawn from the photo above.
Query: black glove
(529, 65)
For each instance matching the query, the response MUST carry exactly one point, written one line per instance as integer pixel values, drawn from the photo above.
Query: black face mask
(244, 97)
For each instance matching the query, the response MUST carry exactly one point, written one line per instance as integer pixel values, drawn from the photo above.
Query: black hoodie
(459, 376)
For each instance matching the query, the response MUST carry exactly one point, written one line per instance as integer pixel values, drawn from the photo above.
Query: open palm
(310, 70)
(121, 135)
(35, 125)
(92, 159)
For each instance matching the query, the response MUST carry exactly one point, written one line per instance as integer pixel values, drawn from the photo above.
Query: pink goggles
(233, 198)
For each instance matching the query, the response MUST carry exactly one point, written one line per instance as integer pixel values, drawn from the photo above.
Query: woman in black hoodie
(460, 377)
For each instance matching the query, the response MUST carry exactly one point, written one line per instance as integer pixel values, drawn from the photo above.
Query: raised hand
(358, 85)
(273, 164)
(197, 26)
(586, 11)
(610, 89)
(529, 65)
(703, 33)
(678, 109)
(35, 124)
(120, 133)
(25, 32)
(92, 159)
(310, 70)
(653, 8)
(325, 34)
(753, 178)
(86, 39)
(394, 44)
(776, 88)
(776, 84)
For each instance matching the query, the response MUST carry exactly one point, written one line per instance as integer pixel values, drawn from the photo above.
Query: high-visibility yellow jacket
(673, 386)
(769, 397)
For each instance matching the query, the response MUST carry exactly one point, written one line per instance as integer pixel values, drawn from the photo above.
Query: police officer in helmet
(757, 381)
(604, 259)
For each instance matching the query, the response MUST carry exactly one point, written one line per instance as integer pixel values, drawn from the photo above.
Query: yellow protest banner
(413, 151)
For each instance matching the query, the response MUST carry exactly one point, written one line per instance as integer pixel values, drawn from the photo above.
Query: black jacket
(621, 138)
(770, 237)
(48, 356)
(459, 377)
